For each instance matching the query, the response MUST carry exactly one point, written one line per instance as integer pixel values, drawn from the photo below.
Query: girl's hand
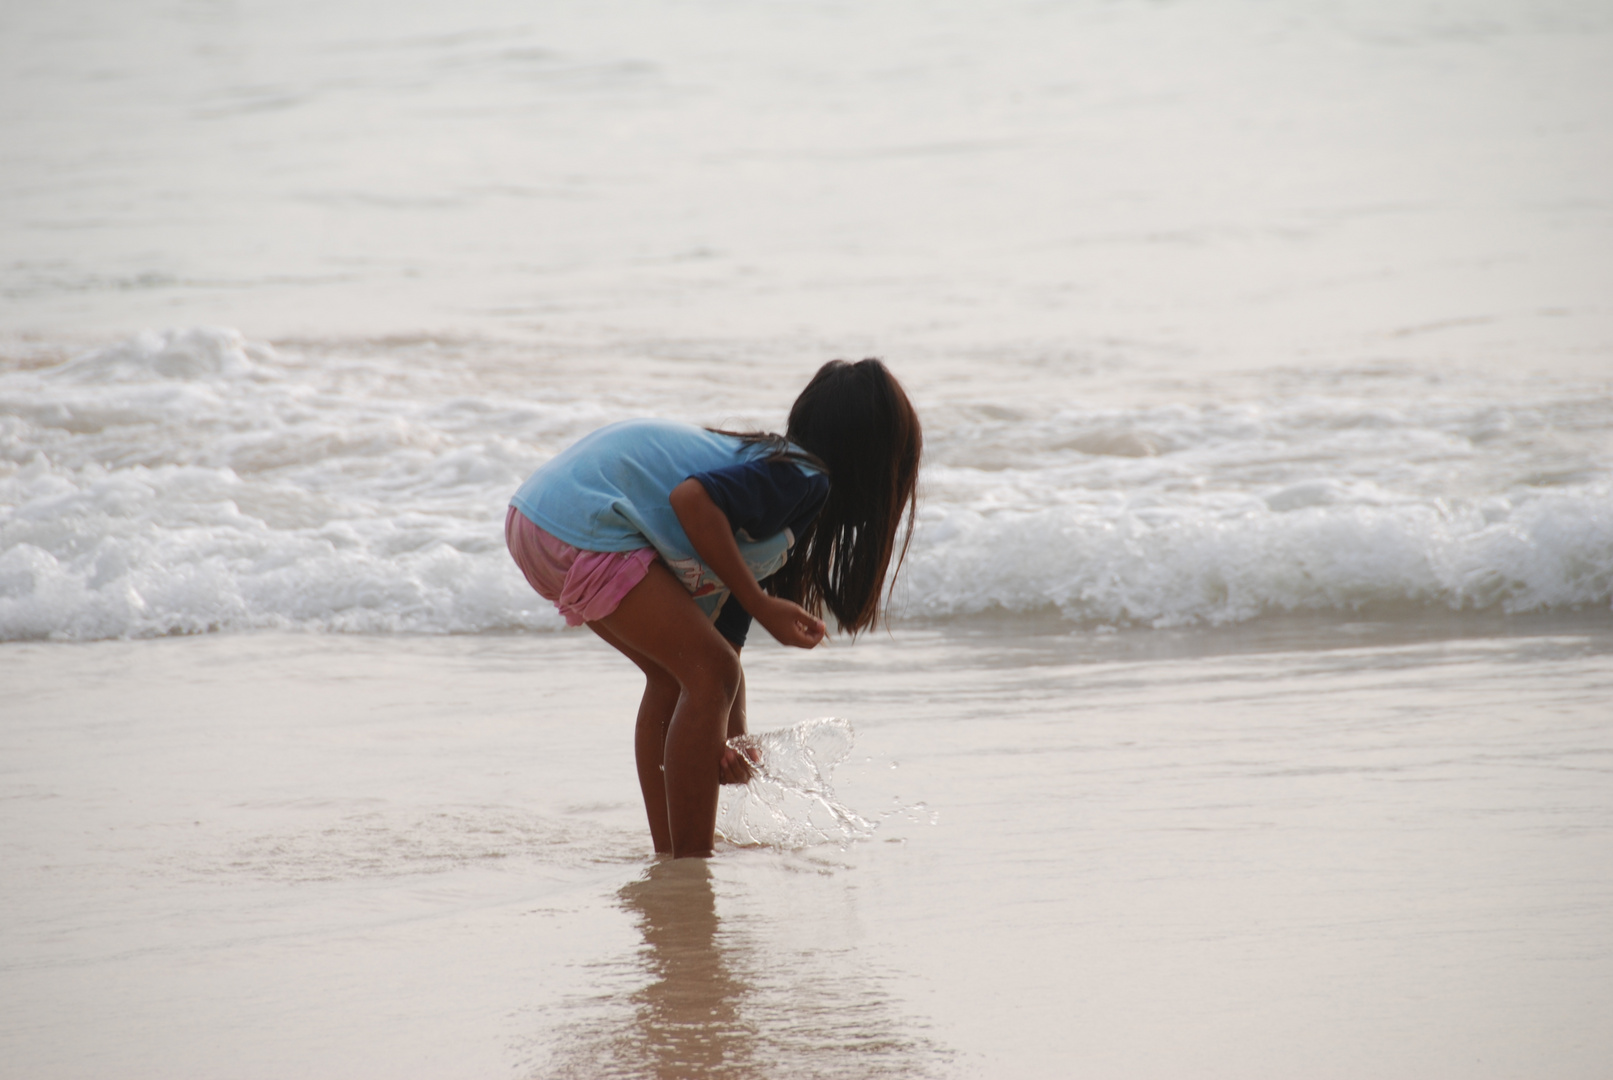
(734, 768)
(789, 623)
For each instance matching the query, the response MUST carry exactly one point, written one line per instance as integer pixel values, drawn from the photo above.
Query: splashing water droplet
(789, 802)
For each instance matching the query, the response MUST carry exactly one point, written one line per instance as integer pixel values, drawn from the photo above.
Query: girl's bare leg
(659, 627)
(655, 710)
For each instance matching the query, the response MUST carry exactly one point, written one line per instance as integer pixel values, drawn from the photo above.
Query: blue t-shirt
(611, 491)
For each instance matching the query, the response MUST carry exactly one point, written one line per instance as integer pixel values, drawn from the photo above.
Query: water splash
(789, 802)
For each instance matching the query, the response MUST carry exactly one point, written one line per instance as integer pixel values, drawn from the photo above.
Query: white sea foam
(1211, 562)
(1214, 514)
(192, 481)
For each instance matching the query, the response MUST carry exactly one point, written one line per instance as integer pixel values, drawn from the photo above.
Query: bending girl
(668, 539)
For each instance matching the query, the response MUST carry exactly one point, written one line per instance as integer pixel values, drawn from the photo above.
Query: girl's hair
(856, 422)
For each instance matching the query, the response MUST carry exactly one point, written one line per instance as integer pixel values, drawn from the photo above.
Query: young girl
(667, 540)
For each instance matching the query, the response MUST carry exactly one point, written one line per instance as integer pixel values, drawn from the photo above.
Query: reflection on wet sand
(710, 1007)
(688, 1018)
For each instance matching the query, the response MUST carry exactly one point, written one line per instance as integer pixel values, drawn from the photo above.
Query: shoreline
(1266, 633)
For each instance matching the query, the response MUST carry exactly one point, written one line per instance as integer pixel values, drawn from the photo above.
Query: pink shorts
(584, 585)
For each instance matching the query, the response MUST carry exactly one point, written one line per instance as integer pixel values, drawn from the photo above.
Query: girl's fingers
(812, 630)
(734, 768)
(791, 624)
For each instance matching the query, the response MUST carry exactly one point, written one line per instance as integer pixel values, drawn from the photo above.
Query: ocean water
(1226, 184)
(1244, 709)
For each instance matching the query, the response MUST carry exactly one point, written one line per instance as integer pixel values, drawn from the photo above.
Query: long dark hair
(856, 421)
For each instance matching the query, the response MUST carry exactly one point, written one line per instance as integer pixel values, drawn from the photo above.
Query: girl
(667, 540)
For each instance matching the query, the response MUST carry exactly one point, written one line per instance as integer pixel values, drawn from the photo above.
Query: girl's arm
(734, 767)
(713, 539)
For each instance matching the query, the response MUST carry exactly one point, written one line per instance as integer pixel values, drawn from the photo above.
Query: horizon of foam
(1187, 566)
(191, 481)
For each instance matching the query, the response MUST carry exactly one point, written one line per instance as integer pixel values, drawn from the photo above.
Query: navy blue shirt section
(733, 622)
(761, 499)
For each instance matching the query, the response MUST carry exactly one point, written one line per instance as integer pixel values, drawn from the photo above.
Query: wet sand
(1384, 853)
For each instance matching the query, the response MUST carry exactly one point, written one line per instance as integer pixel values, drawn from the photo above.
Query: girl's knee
(716, 675)
(660, 683)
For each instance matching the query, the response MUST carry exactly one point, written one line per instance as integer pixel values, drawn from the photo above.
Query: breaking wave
(192, 481)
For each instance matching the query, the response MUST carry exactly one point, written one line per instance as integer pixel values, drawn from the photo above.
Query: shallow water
(262, 854)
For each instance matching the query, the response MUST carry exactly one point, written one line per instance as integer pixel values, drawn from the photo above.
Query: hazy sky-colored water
(1191, 184)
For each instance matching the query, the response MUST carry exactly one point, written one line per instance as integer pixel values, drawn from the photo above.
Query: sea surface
(1244, 709)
